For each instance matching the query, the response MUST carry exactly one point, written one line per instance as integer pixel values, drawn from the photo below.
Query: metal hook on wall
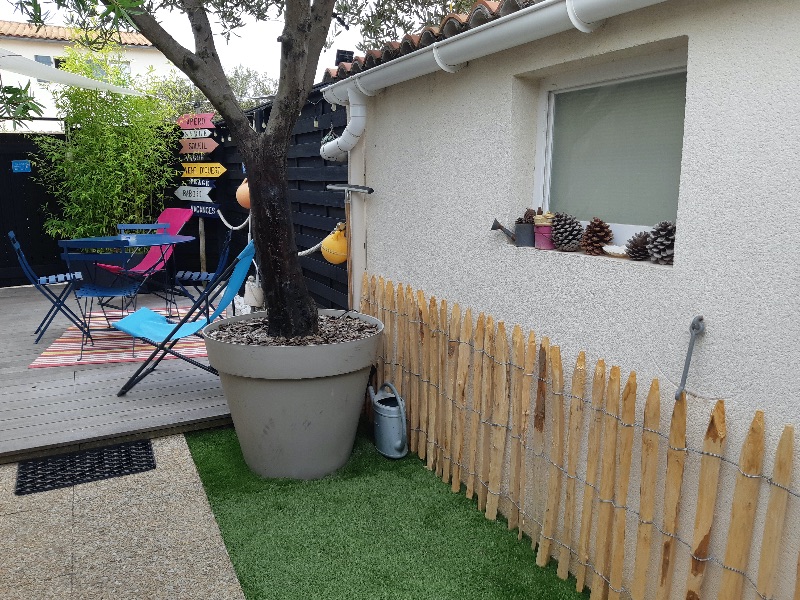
(697, 327)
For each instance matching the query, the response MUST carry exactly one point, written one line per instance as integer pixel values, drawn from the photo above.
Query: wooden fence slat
(402, 350)
(556, 456)
(797, 579)
(380, 313)
(433, 381)
(389, 332)
(624, 455)
(364, 308)
(776, 513)
(441, 389)
(413, 367)
(573, 453)
(708, 483)
(460, 398)
(499, 420)
(743, 510)
(676, 460)
(607, 477)
(424, 371)
(477, 385)
(647, 490)
(517, 361)
(452, 350)
(592, 460)
(527, 382)
(486, 429)
(539, 467)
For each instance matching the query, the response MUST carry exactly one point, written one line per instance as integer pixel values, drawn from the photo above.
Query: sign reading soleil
(202, 169)
(201, 145)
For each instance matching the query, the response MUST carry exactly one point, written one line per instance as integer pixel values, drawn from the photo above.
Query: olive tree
(307, 23)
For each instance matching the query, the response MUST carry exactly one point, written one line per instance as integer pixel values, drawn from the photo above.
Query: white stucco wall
(447, 153)
(141, 58)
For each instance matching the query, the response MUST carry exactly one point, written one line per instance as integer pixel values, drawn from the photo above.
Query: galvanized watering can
(391, 438)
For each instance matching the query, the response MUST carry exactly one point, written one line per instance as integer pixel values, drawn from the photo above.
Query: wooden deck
(62, 409)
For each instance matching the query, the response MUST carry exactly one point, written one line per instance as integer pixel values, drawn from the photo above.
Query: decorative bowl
(618, 251)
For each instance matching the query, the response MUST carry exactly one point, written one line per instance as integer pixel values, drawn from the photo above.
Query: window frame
(618, 71)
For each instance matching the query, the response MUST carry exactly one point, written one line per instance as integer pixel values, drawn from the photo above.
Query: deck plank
(59, 409)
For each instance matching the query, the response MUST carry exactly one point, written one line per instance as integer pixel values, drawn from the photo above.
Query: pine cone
(567, 232)
(597, 234)
(661, 246)
(529, 215)
(637, 246)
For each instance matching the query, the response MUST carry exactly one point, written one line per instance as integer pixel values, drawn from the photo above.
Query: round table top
(138, 240)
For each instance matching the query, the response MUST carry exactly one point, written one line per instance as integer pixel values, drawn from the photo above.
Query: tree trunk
(292, 311)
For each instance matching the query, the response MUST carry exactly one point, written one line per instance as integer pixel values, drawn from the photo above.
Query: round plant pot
(295, 409)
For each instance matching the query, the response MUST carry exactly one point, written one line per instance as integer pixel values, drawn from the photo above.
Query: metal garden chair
(197, 280)
(57, 299)
(157, 330)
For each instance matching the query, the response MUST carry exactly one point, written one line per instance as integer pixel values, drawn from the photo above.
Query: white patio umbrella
(16, 63)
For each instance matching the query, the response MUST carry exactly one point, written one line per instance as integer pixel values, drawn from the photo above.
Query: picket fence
(470, 394)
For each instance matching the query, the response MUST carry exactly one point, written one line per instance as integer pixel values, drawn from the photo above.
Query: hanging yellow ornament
(334, 247)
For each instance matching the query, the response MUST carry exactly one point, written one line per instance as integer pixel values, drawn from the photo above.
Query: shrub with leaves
(118, 154)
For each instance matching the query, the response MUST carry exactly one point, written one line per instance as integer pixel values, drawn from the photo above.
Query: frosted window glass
(616, 151)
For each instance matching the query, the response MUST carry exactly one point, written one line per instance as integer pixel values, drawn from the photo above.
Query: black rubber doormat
(66, 470)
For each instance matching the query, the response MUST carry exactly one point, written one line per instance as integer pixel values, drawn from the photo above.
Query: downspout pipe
(534, 22)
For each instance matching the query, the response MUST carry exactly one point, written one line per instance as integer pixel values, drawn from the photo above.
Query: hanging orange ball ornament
(243, 195)
(334, 247)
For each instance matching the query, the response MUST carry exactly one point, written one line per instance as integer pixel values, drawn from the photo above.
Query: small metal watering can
(391, 438)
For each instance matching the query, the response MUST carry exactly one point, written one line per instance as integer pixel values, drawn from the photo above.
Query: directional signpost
(199, 176)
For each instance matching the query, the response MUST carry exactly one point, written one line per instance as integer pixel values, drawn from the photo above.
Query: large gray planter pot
(295, 408)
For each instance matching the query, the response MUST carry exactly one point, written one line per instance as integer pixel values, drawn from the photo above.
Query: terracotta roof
(52, 32)
(452, 24)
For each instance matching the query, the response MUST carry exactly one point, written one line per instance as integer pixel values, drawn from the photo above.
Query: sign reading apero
(202, 169)
(196, 121)
(206, 209)
(196, 194)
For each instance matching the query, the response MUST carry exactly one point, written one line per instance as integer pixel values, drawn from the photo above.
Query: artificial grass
(377, 528)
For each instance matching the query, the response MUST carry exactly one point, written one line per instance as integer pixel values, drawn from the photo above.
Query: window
(45, 60)
(612, 148)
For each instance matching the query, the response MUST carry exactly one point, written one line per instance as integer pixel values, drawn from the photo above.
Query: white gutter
(535, 22)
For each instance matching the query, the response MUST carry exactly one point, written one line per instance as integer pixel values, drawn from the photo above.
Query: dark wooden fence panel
(316, 211)
(21, 210)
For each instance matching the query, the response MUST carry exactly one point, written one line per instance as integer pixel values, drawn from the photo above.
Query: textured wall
(447, 153)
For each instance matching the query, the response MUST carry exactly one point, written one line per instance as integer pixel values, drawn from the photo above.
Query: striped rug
(110, 346)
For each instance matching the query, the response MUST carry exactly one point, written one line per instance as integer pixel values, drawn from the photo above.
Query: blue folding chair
(157, 330)
(197, 280)
(58, 300)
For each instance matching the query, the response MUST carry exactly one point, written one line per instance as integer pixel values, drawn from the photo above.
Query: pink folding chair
(156, 258)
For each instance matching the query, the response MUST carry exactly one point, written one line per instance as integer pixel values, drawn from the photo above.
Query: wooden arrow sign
(201, 145)
(202, 169)
(195, 194)
(196, 121)
(206, 210)
(211, 183)
(196, 133)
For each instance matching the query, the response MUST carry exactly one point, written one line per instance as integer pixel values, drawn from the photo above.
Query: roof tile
(67, 34)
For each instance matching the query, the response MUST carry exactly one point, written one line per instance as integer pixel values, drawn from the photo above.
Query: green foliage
(117, 156)
(17, 104)
(250, 87)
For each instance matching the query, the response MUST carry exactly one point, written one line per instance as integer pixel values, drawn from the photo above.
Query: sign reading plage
(202, 169)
